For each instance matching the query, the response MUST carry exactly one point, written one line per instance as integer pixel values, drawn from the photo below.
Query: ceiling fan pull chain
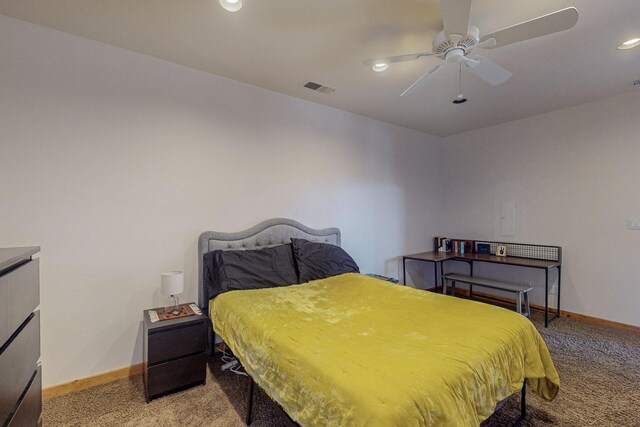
(460, 99)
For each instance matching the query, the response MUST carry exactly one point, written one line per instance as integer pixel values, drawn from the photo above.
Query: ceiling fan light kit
(630, 44)
(380, 67)
(458, 39)
(231, 5)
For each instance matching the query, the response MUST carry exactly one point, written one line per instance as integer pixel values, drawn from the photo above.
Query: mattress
(352, 350)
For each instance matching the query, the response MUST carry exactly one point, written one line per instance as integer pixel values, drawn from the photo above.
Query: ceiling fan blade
(421, 80)
(455, 16)
(488, 71)
(399, 58)
(547, 24)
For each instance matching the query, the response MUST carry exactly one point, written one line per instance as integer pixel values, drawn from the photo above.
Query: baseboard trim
(93, 380)
(599, 321)
(563, 313)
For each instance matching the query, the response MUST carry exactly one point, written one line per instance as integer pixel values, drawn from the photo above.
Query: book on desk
(458, 246)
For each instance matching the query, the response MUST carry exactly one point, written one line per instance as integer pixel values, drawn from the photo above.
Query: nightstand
(175, 355)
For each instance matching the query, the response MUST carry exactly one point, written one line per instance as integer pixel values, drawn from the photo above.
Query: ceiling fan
(458, 39)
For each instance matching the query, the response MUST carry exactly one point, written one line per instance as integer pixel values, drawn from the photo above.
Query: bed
(354, 350)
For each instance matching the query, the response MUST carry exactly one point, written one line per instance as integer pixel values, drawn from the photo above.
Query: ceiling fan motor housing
(465, 42)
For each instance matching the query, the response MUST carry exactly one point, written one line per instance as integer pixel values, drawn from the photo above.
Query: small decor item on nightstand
(501, 250)
(176, 312)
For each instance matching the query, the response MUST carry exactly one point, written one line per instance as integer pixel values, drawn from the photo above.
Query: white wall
(115, 162)
(574, 175)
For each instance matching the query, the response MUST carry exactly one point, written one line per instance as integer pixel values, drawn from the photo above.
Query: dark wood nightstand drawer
(168, 344)
(17, 364)
(171, 376)
(30, 407)
(19, 296)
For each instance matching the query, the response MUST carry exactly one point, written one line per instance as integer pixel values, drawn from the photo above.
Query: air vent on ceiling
(636, 82)
(318, 87)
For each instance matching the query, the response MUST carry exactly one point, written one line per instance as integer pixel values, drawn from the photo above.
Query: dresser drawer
(168, 344)
(170, 376)
(17, 363)
(19, 296)
(30, 407)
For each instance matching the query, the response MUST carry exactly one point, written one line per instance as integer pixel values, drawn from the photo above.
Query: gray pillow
(321, 260)
(249, 269)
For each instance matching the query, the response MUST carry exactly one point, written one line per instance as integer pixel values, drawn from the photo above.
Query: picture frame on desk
(501, 250)
(483, 248)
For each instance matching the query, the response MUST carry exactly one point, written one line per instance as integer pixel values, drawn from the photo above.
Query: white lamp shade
(172, 282)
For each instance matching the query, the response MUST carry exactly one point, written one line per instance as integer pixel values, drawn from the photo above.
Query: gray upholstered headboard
(272, 232)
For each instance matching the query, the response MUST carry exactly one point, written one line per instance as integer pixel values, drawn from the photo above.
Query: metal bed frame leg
(523, 401)
(249, 401)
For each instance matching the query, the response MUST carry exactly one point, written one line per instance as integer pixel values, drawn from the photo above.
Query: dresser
(20, 384)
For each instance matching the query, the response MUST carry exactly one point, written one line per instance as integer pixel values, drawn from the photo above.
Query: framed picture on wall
(501, 250)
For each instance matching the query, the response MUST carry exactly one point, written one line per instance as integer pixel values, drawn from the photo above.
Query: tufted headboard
(272, 232)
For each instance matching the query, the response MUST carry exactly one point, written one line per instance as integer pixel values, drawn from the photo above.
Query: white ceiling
(280, 44)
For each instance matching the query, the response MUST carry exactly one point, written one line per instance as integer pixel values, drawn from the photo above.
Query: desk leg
(470, 285)
(442, 281)
(546, 297)
(404, 271)
(435, 276)
(559, 279)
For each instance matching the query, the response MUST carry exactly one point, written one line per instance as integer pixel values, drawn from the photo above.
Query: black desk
(438, 258)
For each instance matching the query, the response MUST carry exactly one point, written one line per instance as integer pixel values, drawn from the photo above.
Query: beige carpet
(599, 372)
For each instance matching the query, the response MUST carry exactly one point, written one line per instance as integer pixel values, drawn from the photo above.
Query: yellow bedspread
(351, 350)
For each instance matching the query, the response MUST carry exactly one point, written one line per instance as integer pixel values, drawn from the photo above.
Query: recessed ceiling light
(380, 67)
(231, 5)
(630, 44)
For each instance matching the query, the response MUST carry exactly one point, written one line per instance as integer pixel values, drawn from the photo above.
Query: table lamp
(172, 283)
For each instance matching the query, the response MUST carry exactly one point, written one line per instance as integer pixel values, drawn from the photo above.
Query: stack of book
(458, 246)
